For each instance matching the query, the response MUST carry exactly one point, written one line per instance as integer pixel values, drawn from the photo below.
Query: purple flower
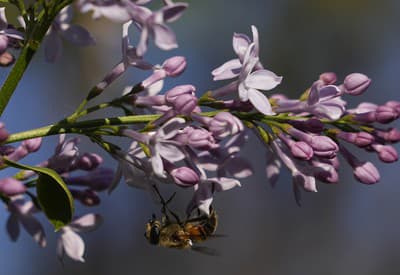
(65, 155)
(115, 10)
(250, 82)
(70, 243)
(21, 212)
(7, 33)
(153, 24)
(62, 28)
(241, 43)
(11, 187)
(222, 125)
(134, 167)
(99, 179)
(323, 102)
(161, 144)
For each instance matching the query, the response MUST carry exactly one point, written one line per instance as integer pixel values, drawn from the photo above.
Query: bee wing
(205, 250)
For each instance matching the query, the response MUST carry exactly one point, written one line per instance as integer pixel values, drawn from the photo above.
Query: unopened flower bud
(6, 59)
(185, 104)
(185, 177)
(225, 124)
(178, 91)
(386, 153)
(328, 78)
(86, 197)
(3, 133)
(174, 66)
(33, 144)
(366, 173)
(301, 150)
(394, 104)
(361, 139)
(89, 161)
(356, 83)
(99, 179)
(11, 187)
(385, 114)
(391, 135)
(201, 139)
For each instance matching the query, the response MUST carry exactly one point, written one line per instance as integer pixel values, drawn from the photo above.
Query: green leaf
(53, 195)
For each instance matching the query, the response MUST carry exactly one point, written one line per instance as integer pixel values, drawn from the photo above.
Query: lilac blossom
(153, 24)
(241, 43)
(11, 187)
(115, 10)
(70, 243)
(323, 102)
(161, 144)
(7, 33)
(62, 28)
(21, 212)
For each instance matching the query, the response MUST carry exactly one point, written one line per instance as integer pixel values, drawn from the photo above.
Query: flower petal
(170, 128)
(263, 80)
(240, 43)
(260, 102)
(164, 37)
(86, 223)
(13, 227)
(228, 70)
(73, 245)
(169, 151)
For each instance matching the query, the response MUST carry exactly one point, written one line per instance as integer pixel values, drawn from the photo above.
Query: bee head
(152, 233)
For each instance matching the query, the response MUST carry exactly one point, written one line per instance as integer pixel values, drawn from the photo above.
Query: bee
(182, 235)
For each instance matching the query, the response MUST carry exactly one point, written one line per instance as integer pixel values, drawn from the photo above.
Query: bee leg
(164, 204)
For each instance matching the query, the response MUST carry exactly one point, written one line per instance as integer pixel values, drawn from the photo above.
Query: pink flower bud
(356, 83)
(361, 139)
(178, 91)
(386, 153)
(391, 135)
(32, 145)
(301, 150)
(328, 78)
(185, 104)
(185, 177)
(225, 124)
(99, 179)
(385, 114)
(6, 59)
(366, 173)
(201, 139)
(394, 104)
(11, 187)
(86, 197)
(3, 133)
(174, 66)
(89, 161)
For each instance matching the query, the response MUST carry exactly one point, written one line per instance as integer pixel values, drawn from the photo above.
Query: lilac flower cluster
(15, 191)
(178, 137)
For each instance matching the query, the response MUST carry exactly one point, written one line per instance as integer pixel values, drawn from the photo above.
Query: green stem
(33, 41)
(78, 127)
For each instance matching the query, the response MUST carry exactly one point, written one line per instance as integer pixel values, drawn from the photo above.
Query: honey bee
(183, 235)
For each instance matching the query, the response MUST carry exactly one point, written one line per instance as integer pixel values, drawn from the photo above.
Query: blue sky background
(348, 228)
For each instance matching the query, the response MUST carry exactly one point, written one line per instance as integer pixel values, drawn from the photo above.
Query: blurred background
(348, 228)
